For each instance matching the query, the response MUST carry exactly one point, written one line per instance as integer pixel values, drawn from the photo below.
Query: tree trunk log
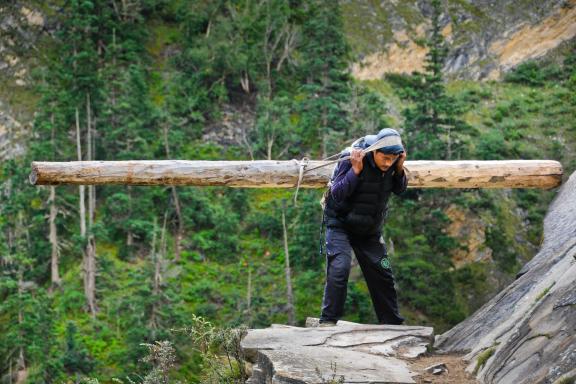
(284, 174)
(53, 239)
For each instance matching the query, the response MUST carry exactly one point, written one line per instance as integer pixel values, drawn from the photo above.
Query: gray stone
(437, 369)
(360, 353)
(530, 327)
(322, 364)
(312, 322)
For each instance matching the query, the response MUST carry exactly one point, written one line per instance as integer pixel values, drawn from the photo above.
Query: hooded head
(390, 138)
(390, 144)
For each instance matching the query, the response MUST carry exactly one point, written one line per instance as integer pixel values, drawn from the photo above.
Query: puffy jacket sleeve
(344, 181)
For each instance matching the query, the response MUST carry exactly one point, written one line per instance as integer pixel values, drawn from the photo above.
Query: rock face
(469, 230)
(358, 353)
(20, 30)
(527, 333)
(10, 130)
(487, 38)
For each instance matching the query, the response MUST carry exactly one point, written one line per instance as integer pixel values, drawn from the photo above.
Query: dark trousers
(373, 260)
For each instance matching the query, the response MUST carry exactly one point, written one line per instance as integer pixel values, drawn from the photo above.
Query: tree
(75, 360)
(324, 76)
(26, 323)
(433, 128)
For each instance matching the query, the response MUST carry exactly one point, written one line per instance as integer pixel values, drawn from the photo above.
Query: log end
(556, 180)
(33, 177)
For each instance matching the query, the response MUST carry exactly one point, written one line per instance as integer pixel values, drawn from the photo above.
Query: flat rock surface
(358, 353)
(527, 333)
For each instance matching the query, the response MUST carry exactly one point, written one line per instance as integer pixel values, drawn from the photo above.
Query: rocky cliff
(20, 31)
(487, 38)
(527, 333)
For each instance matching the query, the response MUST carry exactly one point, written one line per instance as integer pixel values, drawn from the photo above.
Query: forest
(155, 284)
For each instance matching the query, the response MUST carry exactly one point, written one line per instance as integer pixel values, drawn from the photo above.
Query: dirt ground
(456, 370)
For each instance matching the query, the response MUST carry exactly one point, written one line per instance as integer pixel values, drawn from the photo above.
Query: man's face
(384, 160)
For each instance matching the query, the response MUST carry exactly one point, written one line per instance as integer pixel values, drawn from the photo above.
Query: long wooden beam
(284, 174)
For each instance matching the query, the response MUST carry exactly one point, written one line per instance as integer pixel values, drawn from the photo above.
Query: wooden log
(284, 174)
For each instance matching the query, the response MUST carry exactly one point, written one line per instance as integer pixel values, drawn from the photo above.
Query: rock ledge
(359, 353)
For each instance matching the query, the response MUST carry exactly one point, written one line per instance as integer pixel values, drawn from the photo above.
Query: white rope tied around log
(301, 167)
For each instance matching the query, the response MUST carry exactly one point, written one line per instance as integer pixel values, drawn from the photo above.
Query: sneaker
(327, 324)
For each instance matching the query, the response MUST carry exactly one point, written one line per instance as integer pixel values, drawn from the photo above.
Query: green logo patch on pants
(385, 263)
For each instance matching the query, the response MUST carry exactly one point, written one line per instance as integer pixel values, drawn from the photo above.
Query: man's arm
(400, 183)
(344, 181)
(400, 179)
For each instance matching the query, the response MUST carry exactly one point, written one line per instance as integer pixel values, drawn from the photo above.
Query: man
(356, 207)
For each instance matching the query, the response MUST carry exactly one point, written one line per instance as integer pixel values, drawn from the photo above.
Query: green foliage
(472, 285)
(75, 359)
(566, 380)
(483, 358)
(531, 73)
(162, 357)
(221, 355)
(425, 287)
(543, 72)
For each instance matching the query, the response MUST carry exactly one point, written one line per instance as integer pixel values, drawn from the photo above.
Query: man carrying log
(355, 210)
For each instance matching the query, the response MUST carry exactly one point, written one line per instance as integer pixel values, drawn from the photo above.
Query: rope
(302, 165)
(377, 145)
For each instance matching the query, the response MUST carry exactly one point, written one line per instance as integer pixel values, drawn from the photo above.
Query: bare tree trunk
(53, 234)
(53, 238)
(157, 259)
(81, 187)
(289, 294)
(180, 228)
(249, 296)
(129, 235)
(90, 260)
(153, 256)
(90, 275)
(324, 128)
(87, 259)
(449, 146)
(244, 141)
(21, 364)
(90, 157)
(180, 225)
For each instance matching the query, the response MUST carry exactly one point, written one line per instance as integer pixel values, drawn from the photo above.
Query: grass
(483, 358)
(360, 26)
(544, 293)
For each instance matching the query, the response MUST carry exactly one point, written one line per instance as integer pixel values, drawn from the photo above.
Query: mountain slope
(486, 38)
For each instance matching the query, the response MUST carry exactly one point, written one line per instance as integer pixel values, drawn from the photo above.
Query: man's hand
(356, 157)
(400, 163)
